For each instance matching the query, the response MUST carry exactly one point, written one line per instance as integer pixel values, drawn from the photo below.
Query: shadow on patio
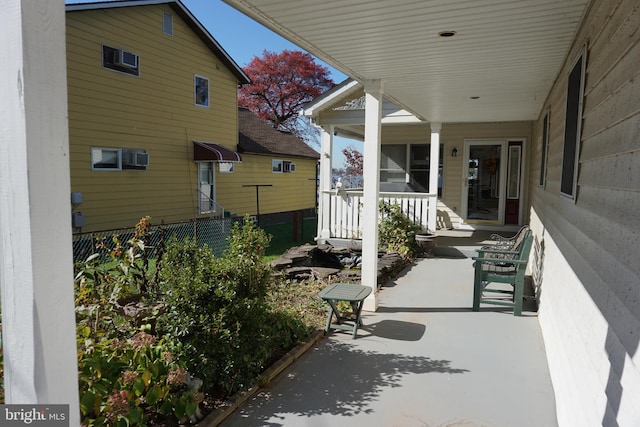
(423, 359)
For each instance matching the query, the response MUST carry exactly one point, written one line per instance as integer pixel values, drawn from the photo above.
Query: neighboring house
(153, 122)
(280, 163)
(535, 106)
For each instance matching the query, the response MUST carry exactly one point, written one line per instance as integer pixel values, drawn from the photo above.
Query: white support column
(36, 262)
(434, 165)
(326, 166)
(371, 171)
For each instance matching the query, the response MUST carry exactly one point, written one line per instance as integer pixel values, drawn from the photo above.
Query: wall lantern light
(454, 152)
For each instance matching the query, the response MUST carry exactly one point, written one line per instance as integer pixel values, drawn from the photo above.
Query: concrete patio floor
(423, 359)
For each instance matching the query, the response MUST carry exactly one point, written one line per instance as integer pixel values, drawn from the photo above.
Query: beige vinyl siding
(289, 191)
(154, 112)
(590, 282)
(453, 135)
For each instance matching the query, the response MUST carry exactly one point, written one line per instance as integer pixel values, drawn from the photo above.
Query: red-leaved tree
(353, 160)
(281, 83)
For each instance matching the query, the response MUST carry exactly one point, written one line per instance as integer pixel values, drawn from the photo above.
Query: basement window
(572, 128)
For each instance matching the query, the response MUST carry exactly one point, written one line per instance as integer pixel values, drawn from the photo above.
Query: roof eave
(328, 98)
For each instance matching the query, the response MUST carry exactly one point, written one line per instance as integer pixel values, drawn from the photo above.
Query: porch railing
(346, 207)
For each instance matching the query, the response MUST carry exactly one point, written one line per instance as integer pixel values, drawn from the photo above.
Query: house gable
(154, 111)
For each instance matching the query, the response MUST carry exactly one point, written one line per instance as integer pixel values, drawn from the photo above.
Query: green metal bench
(497, 265)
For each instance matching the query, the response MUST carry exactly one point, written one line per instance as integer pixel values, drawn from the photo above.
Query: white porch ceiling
(506, 52)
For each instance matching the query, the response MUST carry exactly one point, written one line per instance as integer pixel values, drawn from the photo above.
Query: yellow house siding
(591, 278)
(154, 111)
(289, 191)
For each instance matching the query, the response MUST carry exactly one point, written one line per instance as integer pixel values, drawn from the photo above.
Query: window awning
(210, 152)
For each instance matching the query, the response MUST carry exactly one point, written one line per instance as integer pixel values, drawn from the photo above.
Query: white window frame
(282, 166)
(196, 87)
(96, 150)
(206, 190)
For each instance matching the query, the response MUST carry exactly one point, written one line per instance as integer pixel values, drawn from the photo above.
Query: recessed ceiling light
(447, 33)
(474, 97)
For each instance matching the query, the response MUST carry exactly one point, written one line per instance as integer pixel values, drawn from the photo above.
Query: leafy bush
(126, 376)
(396, 232)
(125, 382)
(216, 308)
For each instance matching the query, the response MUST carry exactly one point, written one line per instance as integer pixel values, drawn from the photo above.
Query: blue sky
(244, 38)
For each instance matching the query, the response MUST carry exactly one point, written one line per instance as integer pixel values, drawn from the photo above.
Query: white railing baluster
(346, 210)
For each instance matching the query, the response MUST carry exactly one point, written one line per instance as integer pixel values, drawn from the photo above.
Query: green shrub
(216, 308)
(126, 382)
(396, 232)
(126, 376)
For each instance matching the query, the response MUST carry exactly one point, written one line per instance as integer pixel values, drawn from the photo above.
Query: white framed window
(201, 91)
(409, 163)
(206, 187)
(226, 167)
(106, 159)
(282, 166)
(116, 159)
(167, 23)
(393, 163)
(120, 60)
(573, 127)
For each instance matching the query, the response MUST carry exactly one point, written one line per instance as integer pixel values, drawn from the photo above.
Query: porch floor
(423, 359)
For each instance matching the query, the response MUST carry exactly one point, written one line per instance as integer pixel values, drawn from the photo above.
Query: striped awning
(211, 152)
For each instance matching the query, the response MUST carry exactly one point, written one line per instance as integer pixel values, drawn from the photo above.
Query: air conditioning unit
(288, 167)
(125, 59)
(135, 158)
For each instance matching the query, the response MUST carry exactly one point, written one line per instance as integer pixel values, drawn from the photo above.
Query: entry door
(484, 183)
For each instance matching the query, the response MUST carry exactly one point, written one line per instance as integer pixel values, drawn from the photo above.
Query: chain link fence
(211, 232)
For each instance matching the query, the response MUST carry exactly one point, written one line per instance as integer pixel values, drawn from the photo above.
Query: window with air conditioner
(226, 167)
(118, 159)
(135, 159)
(121, 60)
(282, 166)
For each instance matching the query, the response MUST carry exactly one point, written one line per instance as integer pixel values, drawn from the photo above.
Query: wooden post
(36, 260)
